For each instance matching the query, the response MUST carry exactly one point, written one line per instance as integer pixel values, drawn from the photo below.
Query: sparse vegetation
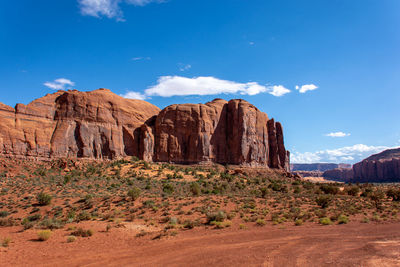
(44, 235)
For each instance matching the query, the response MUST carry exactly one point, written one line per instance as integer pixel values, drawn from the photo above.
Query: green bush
(343, 219)
(71, 239)
(168, 188)
(195, 189)
(6, 242)
(4, 214)
(260, 222)
(394, 194)
(298, 222)
(353, 191)
(134, 193)
(44, 199)
(82, 232)
(44, 235)
(325, 221)
(218, 216)
(323, 201)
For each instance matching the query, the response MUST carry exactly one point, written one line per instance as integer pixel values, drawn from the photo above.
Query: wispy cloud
(59, 84)
(108, 8)
(134, 95)
(348, 154)
(337, 134)
(184, 67)
(140, 58)
(305, 88)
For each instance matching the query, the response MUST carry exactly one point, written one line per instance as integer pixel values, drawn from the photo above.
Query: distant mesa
(381, 167)
(102, 125)
(317, 166)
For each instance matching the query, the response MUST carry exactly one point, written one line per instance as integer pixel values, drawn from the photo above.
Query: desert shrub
(43, 199)
(325, 221)
(353, 191)
(260, 222)
(71, 239)
(7, 222)
(376, 197)
(6, 242)
(134, 193)
(329, 189)
(82, 232)
(51, 224)
(188, 224)
(217, 216)
(367, 192)
(221, 225)
(323, 201)
(393, 194)
(168, 188)
(298, 222)
(297, 190)
(83, 216)
(264, 192)
(343, 219)
(44, 235)
(4, 214)
(195, 189)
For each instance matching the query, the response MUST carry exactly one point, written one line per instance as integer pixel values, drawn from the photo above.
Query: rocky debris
(381, 167)
(102, 125)
(339, 174)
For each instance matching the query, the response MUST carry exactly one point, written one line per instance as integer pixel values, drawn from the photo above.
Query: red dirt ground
(353, 244)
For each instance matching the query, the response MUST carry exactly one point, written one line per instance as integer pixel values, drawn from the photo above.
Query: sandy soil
(353, 244)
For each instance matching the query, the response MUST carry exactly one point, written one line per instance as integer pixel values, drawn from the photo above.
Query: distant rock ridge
(102, 125)
(381, 167)
(318, 166)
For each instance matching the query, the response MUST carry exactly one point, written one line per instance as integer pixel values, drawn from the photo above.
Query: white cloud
(134, 95)
(278, 90)
(181, 86)
(140, 58)
(337, 134)
(307, 87)
(108, 8)
(183, 67)
(59, 84)
(348, 154)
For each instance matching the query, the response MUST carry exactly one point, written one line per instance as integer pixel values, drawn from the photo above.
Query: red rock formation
(382, 167)
(100, 124)
(339, 174)
(233, 132)
(97, 124)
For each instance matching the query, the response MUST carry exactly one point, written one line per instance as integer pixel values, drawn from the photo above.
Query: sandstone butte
(381, 167)
(103, 125)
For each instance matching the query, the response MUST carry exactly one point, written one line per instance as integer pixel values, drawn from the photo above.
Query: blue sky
(343, 55)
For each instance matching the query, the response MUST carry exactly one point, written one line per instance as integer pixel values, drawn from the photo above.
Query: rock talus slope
(102, 125)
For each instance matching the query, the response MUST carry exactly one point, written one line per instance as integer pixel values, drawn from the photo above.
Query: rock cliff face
(97, 124)
(339, 174)
(382, 167)
(233, 132)
(100, 124)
